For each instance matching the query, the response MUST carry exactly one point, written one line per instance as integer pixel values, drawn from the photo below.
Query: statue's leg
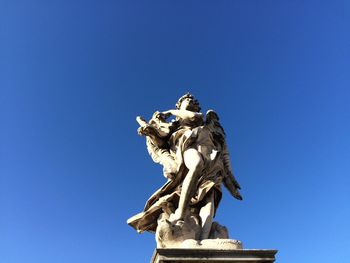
(207, 213)
(194, 163)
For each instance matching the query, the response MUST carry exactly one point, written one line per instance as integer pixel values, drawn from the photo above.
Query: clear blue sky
(74, 74)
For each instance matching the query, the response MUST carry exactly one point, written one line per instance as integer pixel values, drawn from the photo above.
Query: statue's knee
(200, 163)
(193, 160)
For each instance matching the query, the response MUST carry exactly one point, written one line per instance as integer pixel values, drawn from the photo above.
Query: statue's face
(186, 104)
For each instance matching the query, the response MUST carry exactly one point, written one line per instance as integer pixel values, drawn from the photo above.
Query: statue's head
(188, 102)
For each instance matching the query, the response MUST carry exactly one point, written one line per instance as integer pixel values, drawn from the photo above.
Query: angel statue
(195, 160)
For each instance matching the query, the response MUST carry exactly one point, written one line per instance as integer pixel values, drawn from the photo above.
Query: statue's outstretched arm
(182, 114)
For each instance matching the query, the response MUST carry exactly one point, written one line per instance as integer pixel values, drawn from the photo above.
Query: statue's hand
(141, 121)
(144, 130)
(140, 131)
(170, 176)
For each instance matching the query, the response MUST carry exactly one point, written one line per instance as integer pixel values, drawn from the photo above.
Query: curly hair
(196, 106)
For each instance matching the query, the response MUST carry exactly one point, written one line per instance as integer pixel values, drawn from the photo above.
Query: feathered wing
(230, 182)
(163, 157)
(153, 150)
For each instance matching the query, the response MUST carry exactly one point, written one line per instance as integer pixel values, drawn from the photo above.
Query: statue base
(191, 255)
(217, 243)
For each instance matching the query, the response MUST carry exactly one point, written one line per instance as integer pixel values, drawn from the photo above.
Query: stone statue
(195, 160)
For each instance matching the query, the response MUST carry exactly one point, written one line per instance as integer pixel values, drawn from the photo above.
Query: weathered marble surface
(168, 255)
(195, 159)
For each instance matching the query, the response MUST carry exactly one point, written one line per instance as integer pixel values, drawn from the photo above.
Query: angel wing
(230, 181)
(154, 140)
(153, 150)
(218, 133)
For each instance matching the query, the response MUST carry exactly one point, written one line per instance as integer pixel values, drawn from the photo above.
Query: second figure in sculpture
(193, 152)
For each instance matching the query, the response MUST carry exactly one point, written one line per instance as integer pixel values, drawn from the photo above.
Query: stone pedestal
(182, 255)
